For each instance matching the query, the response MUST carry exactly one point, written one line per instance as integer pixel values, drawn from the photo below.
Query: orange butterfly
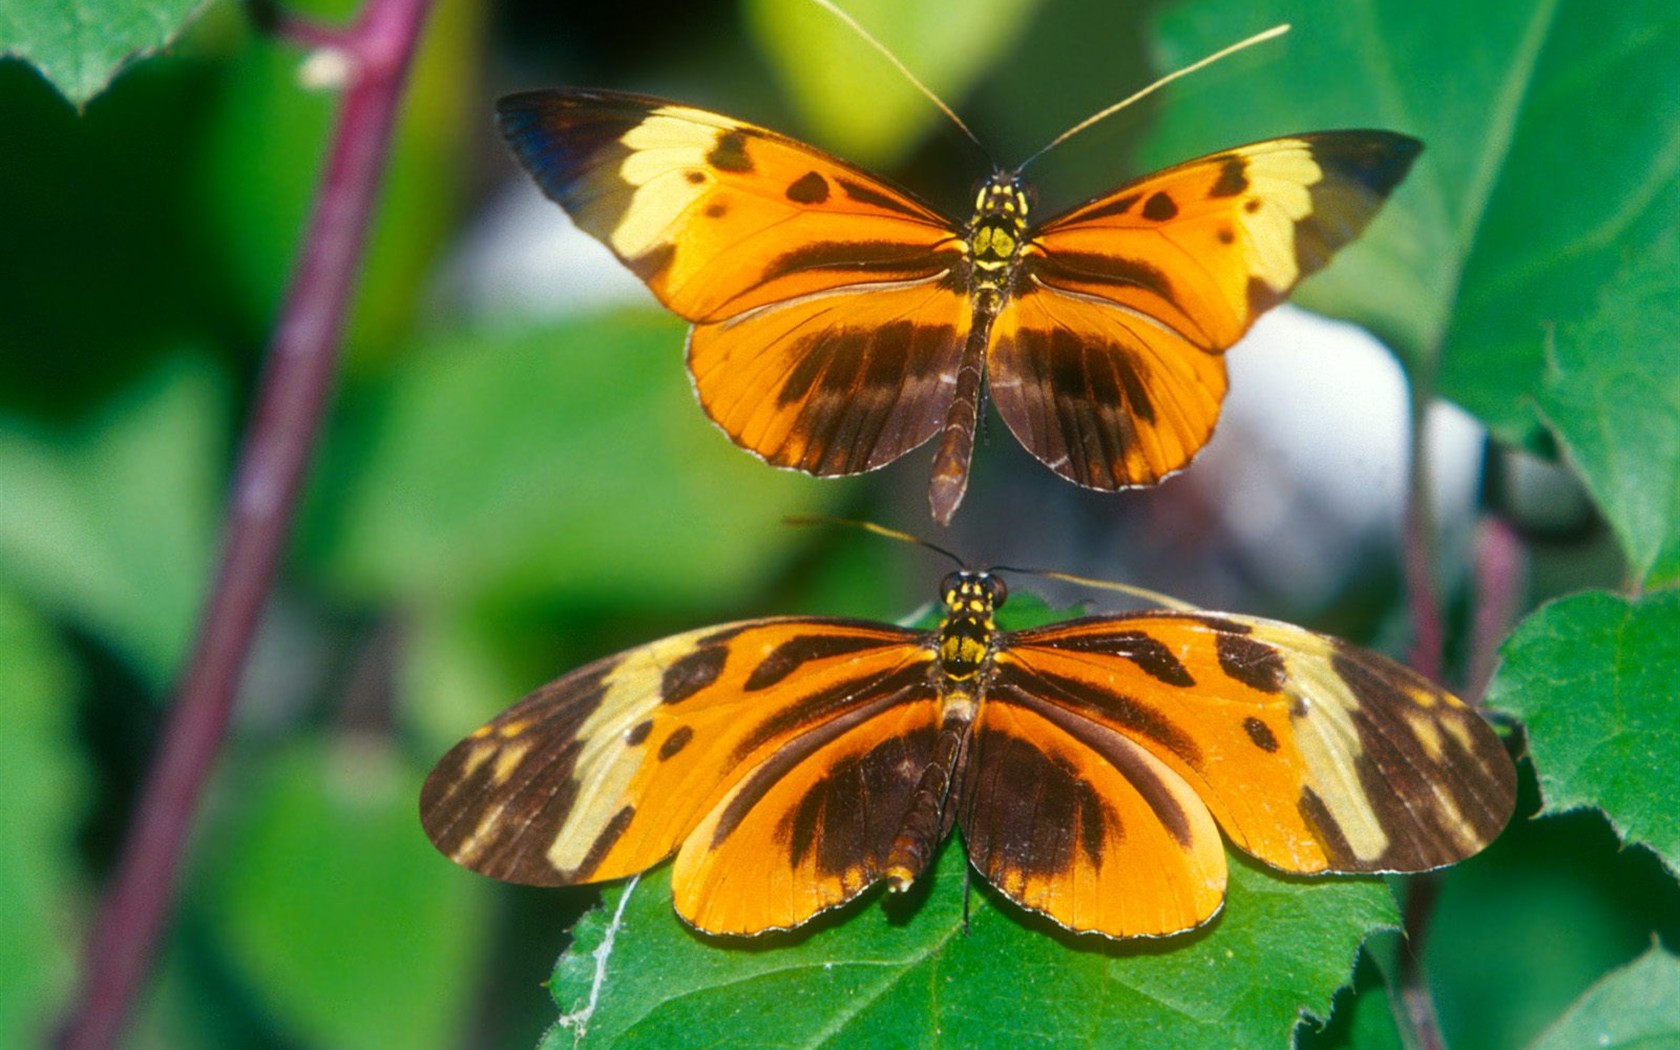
(792, 763)
(840, 321)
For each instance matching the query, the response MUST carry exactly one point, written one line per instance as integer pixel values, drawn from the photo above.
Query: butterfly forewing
(1311, 754)
(605, 771)
(1105, 364)
(716, 215)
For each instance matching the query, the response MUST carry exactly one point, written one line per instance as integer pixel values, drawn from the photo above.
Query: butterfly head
(967, 630)
(998, 230)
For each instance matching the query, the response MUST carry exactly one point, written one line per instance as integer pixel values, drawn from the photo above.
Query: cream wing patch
(668, 169)
(1280, 180)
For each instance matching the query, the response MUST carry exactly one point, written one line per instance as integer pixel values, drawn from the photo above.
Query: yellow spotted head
(967, 630)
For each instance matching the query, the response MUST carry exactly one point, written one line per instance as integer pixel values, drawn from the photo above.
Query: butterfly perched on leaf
(840, 321)
(791, 763)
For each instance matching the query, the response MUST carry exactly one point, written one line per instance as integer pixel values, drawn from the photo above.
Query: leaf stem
(1499, 574)
(297, 379)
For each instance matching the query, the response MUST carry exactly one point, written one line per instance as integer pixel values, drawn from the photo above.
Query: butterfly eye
(999, 591)
(951, 584)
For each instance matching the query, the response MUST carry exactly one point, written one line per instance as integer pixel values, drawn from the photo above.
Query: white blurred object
(522, 258)
(1308, 466)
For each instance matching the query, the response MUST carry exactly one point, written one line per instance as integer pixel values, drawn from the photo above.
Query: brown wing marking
(1313, 755)
(813, 825)
(601, 773)
(1103, 395)
(1074, 820)
(719, 216)
(834, 383)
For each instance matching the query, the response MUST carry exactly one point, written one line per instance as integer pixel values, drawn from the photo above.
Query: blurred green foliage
(496, 502)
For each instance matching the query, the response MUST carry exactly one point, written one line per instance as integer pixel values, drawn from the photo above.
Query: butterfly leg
(956, 448)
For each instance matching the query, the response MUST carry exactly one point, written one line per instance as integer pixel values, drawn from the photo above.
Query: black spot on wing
(717, 209)
(1233, 178)
(1159, 208)
(689, 674)
(1260, 734)
(674, 743)
(730, 153)
(1251, 662)
(639, 732)
(809, 188)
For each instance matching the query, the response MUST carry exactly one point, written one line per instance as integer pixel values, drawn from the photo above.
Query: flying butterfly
(840, 321)
(792, 763)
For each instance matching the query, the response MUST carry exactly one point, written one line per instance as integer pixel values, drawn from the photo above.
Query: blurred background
(516, 479)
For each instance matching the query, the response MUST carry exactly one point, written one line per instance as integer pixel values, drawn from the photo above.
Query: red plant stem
(297, 379)
(1499, 576)
(1415, 1008)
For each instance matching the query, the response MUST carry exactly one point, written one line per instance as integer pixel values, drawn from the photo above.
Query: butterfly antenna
(870, 526)
(1257, 38)
(1166, 601)
(868, 38)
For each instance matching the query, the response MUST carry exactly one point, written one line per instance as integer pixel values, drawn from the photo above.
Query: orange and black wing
(828, 323)
(1313, 755)
(776, 758)
(1106, 362)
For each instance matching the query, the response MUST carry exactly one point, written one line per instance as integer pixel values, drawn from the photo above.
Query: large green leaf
(43, 799)
(573, 458)
(886, 975)
(80, 45)
(1592, 677)
(1635, 1006)
(1612, 396)
(1552, 158)
(865, 109)
(111, 527)
(333, 905)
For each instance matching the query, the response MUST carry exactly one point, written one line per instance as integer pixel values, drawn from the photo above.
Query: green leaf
(81, 45)
(1635, 1006)
(1612, 396)
(1551, 159)
(1592, 677)
(112, 527)
(332, 903)
(571, 458)
(44, 799)
(865, 109)
(895, 973)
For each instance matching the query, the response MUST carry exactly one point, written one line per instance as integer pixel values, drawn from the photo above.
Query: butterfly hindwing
(813, 825)
(836, 383)
(1076, 821)
(1106, 362)
(1312, 755)
(604, 772)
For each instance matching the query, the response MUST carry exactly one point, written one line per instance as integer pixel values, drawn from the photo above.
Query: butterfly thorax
(967, 632)
(996, 236)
